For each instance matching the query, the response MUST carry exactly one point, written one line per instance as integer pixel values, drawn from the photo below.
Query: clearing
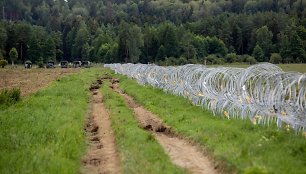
(31, 80)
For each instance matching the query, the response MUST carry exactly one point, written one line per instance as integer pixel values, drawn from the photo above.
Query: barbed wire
(261, 93)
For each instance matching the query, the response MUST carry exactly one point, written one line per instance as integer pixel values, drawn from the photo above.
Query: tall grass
(139, 151)
(9, 97)
(44, 132)
(246, 148)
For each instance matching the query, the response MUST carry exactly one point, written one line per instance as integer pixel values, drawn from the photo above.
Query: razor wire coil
(261, 93)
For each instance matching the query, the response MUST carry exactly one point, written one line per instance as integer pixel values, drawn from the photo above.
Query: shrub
(3, 63)
(275, 58)
(192, 61)
(231, 57)
(182, 61)
(251, 60)
(9, 97)
(170, 61)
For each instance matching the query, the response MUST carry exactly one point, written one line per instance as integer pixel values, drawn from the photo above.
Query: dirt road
(102, 156)
(181, 152)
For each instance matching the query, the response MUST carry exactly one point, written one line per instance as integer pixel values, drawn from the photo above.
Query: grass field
(285, 67)
(44, 132)
(139, 151)
(246, 148)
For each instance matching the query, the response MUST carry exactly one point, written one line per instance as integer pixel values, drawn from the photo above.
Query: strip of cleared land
(181, 152)
(102, 156)
(286, 67)
(138, 149)
(242, 146)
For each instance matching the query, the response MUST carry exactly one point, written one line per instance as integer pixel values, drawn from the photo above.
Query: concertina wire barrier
(261, 93)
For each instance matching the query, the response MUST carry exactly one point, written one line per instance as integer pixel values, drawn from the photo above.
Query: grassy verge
(246, 148)
(293, 67)
(139, 151)
(285, 67)
(44, 132)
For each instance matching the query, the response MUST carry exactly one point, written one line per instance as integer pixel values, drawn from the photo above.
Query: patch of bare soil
(181, 152)
(102, 156)
(31, 80)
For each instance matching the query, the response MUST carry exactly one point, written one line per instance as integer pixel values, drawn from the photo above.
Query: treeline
(165, 32)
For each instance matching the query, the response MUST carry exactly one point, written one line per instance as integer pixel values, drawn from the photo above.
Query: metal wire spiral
(261, 93)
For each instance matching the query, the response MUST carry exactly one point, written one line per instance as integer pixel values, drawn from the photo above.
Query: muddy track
(181, 152)
(102, 156)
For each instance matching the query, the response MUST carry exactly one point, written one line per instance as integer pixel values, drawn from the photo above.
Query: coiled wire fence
(261, 93)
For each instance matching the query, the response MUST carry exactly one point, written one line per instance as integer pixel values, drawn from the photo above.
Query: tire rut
(181, 152)
(102, 156)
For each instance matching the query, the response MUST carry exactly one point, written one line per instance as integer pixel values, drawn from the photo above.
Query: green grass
(246, 148)
(285, 67)
(9, 97)
(44, 132)
(293, 67)
(139, 151)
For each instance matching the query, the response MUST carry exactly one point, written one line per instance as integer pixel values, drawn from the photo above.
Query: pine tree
(264, 40)
(297, 48)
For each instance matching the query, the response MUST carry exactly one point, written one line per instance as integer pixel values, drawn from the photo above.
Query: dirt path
(180, 151)
(102, 157)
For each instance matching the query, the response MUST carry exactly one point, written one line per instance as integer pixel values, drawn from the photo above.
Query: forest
(170, 32)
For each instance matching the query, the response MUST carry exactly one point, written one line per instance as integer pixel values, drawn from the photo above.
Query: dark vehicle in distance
(77, 64)
(27, 64)
(50, 64)
(64, 64)
(86, 64)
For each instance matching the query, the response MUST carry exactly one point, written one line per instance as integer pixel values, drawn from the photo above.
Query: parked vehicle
(86, 64)
(64, 64)
(50, 64)
(77, 64)
(28, 64)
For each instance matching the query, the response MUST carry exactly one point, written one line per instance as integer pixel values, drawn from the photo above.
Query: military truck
(86, 64)
(28, 64)
(77, 64)
(64, 64)
(50, 64)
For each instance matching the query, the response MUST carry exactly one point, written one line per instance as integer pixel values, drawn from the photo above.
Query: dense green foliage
(13, 55)
(177, 31)
(3, 63)
(139, 151)
(246, 148)
(44, 132)
(9, 97)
